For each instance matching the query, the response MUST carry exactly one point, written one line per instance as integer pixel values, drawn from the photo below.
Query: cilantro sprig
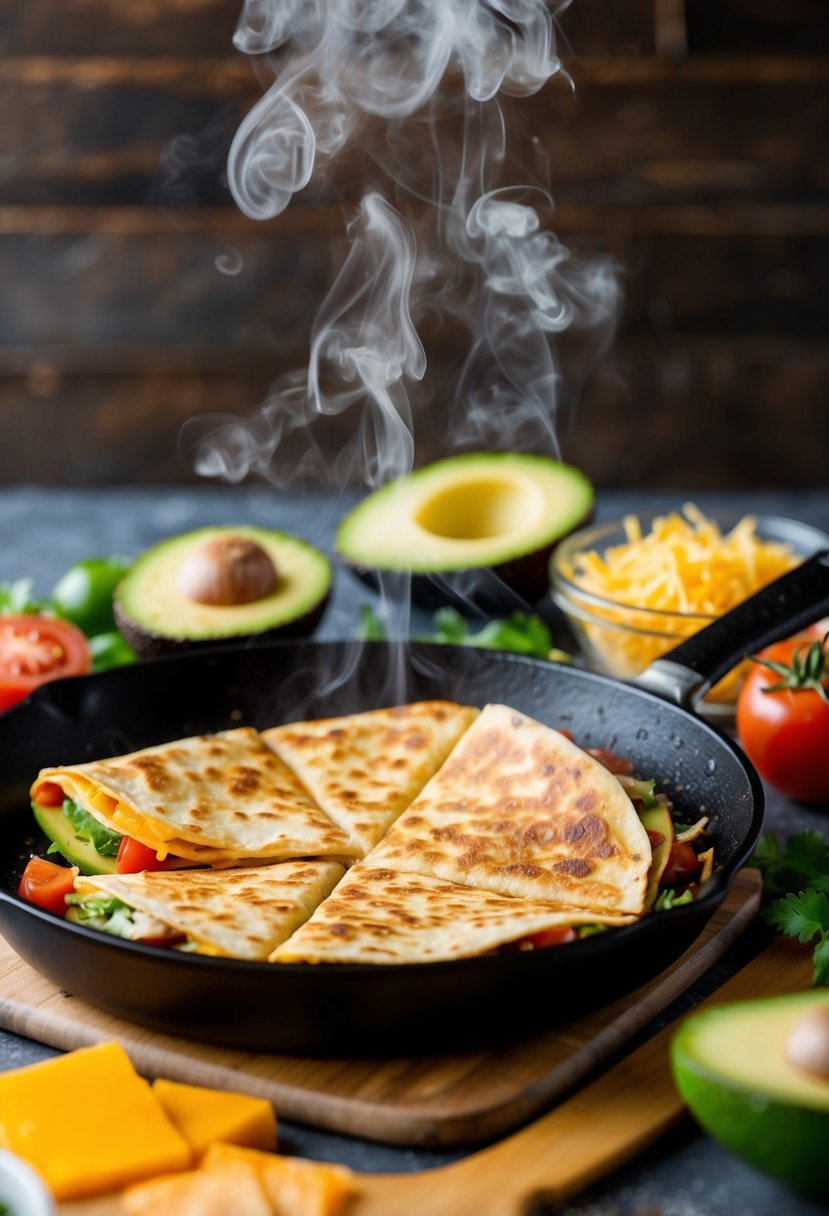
(805, 917)
(802, 862)
(799, 872)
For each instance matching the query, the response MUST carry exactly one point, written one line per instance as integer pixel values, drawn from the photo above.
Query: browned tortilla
(242, 913)
(209, 798)
(385, 916)
(365, 769)
(520, 810)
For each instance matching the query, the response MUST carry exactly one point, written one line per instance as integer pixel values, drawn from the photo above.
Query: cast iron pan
(378, 1009)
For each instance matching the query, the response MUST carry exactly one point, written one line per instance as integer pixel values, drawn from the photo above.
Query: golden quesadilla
(243, 913)
(520, 810)
(365, 769)
(212, 799)
(385, 916)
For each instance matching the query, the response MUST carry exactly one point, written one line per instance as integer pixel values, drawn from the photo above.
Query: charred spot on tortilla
(575, 866)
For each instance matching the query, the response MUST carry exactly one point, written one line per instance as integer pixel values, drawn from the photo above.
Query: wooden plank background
(695, 152)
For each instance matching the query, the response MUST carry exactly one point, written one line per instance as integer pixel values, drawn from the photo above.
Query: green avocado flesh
(80, 853)
(657, 819)
(150, 604)
(730, 1067)
(468, 512)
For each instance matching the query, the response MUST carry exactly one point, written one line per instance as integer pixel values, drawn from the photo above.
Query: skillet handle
(782, 608)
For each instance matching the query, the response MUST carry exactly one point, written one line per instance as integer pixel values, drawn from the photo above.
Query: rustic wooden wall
(695, 151)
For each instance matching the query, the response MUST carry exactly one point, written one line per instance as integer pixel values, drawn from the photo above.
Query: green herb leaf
(804, 916)
(371, 627)
(522, 633)
(668, 899)
(804, 862)
(88, 828)
(820, 975)
(450, 627)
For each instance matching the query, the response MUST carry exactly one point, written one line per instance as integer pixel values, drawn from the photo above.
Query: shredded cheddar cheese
(685, 568)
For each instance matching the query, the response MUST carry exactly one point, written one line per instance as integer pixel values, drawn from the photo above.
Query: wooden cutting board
(598, 1128)
(426, 1101)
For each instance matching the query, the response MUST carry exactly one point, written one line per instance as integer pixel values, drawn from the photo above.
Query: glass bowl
(621, 639)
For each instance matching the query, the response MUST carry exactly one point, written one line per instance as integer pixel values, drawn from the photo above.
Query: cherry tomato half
(47, 885)
(134, 857)
(683, 864)
(49, 793)
(36, 649)
(785, 733)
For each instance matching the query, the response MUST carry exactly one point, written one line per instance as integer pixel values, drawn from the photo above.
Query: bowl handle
(782, 608)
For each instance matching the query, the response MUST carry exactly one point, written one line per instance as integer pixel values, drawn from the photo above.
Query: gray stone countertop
(44, 531)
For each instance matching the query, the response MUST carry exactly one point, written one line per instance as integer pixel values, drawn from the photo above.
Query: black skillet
(376, 1009)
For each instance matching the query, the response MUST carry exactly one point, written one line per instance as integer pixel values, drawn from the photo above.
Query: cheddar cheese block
(209, 1116)
(88, 1123)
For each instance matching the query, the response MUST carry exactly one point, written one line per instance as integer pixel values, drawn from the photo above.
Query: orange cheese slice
(124, 1134)
(207, 1116)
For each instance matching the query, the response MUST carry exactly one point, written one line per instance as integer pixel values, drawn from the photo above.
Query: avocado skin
(511, 585)
(786, 1141)
(148, 645)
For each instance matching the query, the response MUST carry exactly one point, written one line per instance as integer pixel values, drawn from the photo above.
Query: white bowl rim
(28, 1194)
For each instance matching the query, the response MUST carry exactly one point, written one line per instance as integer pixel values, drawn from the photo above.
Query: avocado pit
(226, 571)
(807, 1044)
(221, 585)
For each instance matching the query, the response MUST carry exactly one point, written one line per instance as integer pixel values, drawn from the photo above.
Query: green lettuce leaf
(86, 827)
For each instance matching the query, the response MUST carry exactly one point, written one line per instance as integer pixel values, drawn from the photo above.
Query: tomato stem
(805, 672)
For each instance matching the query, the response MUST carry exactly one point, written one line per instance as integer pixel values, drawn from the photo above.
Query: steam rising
(406, 94)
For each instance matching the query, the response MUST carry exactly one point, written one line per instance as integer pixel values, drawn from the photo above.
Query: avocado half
(156, 617)
(730, 1067)
(477, 528)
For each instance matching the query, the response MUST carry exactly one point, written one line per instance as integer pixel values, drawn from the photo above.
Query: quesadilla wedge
(385, 916)
(364, 770)
(243, 913)
(219, 799)
(520, 810)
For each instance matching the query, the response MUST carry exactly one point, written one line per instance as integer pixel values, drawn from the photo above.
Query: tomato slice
(656, 838)
(47, 885)
(556, 936)
(135, 857)
(36, 649)
(49, 793)
(683, 864)
(614, 763)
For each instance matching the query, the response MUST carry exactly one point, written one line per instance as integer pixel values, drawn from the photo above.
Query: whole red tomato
(783, 718)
